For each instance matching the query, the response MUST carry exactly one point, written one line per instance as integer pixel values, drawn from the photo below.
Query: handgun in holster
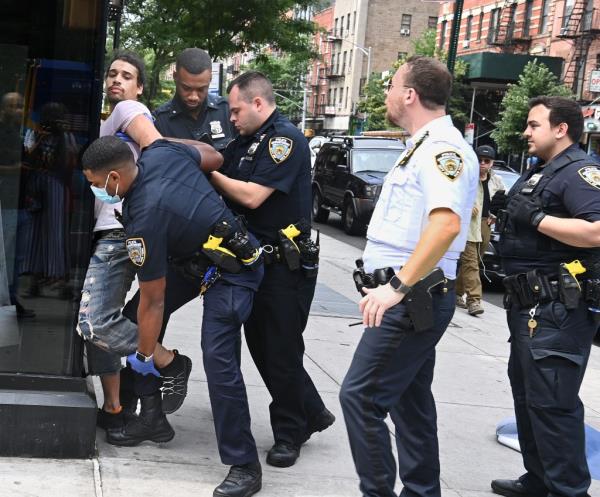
(289, 250)
(419, 302)
(569, 288)
(362, 279)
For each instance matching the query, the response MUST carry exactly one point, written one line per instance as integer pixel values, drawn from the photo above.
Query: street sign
(595, 81)
(470, 133)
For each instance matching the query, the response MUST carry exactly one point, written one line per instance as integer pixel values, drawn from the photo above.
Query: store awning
(494, 70)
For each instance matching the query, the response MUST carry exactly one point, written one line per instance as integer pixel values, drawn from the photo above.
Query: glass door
(51, 55)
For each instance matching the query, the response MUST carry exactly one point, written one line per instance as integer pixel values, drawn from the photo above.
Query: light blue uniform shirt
(443, 172)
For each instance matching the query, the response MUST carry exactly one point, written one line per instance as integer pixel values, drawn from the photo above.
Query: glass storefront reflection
(48, 113)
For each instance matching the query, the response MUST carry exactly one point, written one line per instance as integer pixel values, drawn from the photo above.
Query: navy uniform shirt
(174, 120)
(277, 156)
(573, 192)
(170, 210)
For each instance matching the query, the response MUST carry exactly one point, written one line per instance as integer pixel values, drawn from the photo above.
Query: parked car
(491, 267)
(347, 178)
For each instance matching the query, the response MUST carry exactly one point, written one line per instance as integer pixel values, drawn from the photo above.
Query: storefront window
(49, 111)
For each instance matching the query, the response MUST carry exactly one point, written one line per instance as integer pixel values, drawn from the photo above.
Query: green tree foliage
(161, 28)
(287, 73)
(425, 44)
(458, 106)
(535, 80)
(374, 105)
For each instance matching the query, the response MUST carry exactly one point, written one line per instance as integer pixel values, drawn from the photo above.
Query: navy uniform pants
(226, 307)
(391, 373)
(545, 373)
(274, 337)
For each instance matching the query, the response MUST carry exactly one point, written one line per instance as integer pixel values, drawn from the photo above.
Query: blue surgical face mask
(104, 196)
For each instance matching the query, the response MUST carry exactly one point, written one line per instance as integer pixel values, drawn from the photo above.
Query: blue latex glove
(143, 368)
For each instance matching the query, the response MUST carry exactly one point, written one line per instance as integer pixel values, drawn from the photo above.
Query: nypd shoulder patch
(450, 164)
(136, 248)
(591, 174)
(280, 148)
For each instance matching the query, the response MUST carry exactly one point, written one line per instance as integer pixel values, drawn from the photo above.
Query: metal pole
(117, 37)
(472, 105)
(368, 64)
(454, 35)
(302, 128)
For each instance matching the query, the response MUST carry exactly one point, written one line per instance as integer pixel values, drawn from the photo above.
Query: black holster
(529, 289)
(419, 303)
(192, 268)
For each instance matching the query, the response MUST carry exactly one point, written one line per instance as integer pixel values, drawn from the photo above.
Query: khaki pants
(467, 280)
(486, 234)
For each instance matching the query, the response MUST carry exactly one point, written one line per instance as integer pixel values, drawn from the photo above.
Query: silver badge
(534, 180)
(216, 128)
(253, 148)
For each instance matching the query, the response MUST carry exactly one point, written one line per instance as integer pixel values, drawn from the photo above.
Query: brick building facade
(569, 29)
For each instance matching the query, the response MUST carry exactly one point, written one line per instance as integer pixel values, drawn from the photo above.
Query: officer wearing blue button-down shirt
(421, 221)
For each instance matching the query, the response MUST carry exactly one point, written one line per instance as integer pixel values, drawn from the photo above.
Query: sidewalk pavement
(471, 388)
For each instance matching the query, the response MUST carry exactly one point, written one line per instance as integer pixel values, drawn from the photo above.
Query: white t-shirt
(116, 124)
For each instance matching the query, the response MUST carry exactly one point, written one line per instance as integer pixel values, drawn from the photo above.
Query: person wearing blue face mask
(102, 195)
(108, 333)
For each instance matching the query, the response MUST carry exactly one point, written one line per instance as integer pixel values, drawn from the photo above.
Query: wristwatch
(398, 286)
(142, 358)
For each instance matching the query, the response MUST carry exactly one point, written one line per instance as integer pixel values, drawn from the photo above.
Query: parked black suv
(348, 175)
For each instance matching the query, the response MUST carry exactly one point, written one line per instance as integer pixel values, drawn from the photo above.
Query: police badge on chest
(216, 129)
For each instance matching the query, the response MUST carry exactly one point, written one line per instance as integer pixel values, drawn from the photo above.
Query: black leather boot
(283, 455)
(151, 425)
(127, 397)
(319, 423)
(242, 481)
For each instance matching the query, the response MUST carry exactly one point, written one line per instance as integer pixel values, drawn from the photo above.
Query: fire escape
(509, 35)
(582, 26)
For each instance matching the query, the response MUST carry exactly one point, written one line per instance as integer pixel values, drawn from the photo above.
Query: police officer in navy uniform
(550, 231)
(266, 177)
(169, 213)
(421, 221)
(193, 113)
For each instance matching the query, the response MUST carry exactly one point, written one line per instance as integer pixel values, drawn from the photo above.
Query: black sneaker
(175, 378)
(319, 423)
(242, 481)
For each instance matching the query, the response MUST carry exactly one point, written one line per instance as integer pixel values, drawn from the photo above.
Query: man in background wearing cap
(468, 280)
